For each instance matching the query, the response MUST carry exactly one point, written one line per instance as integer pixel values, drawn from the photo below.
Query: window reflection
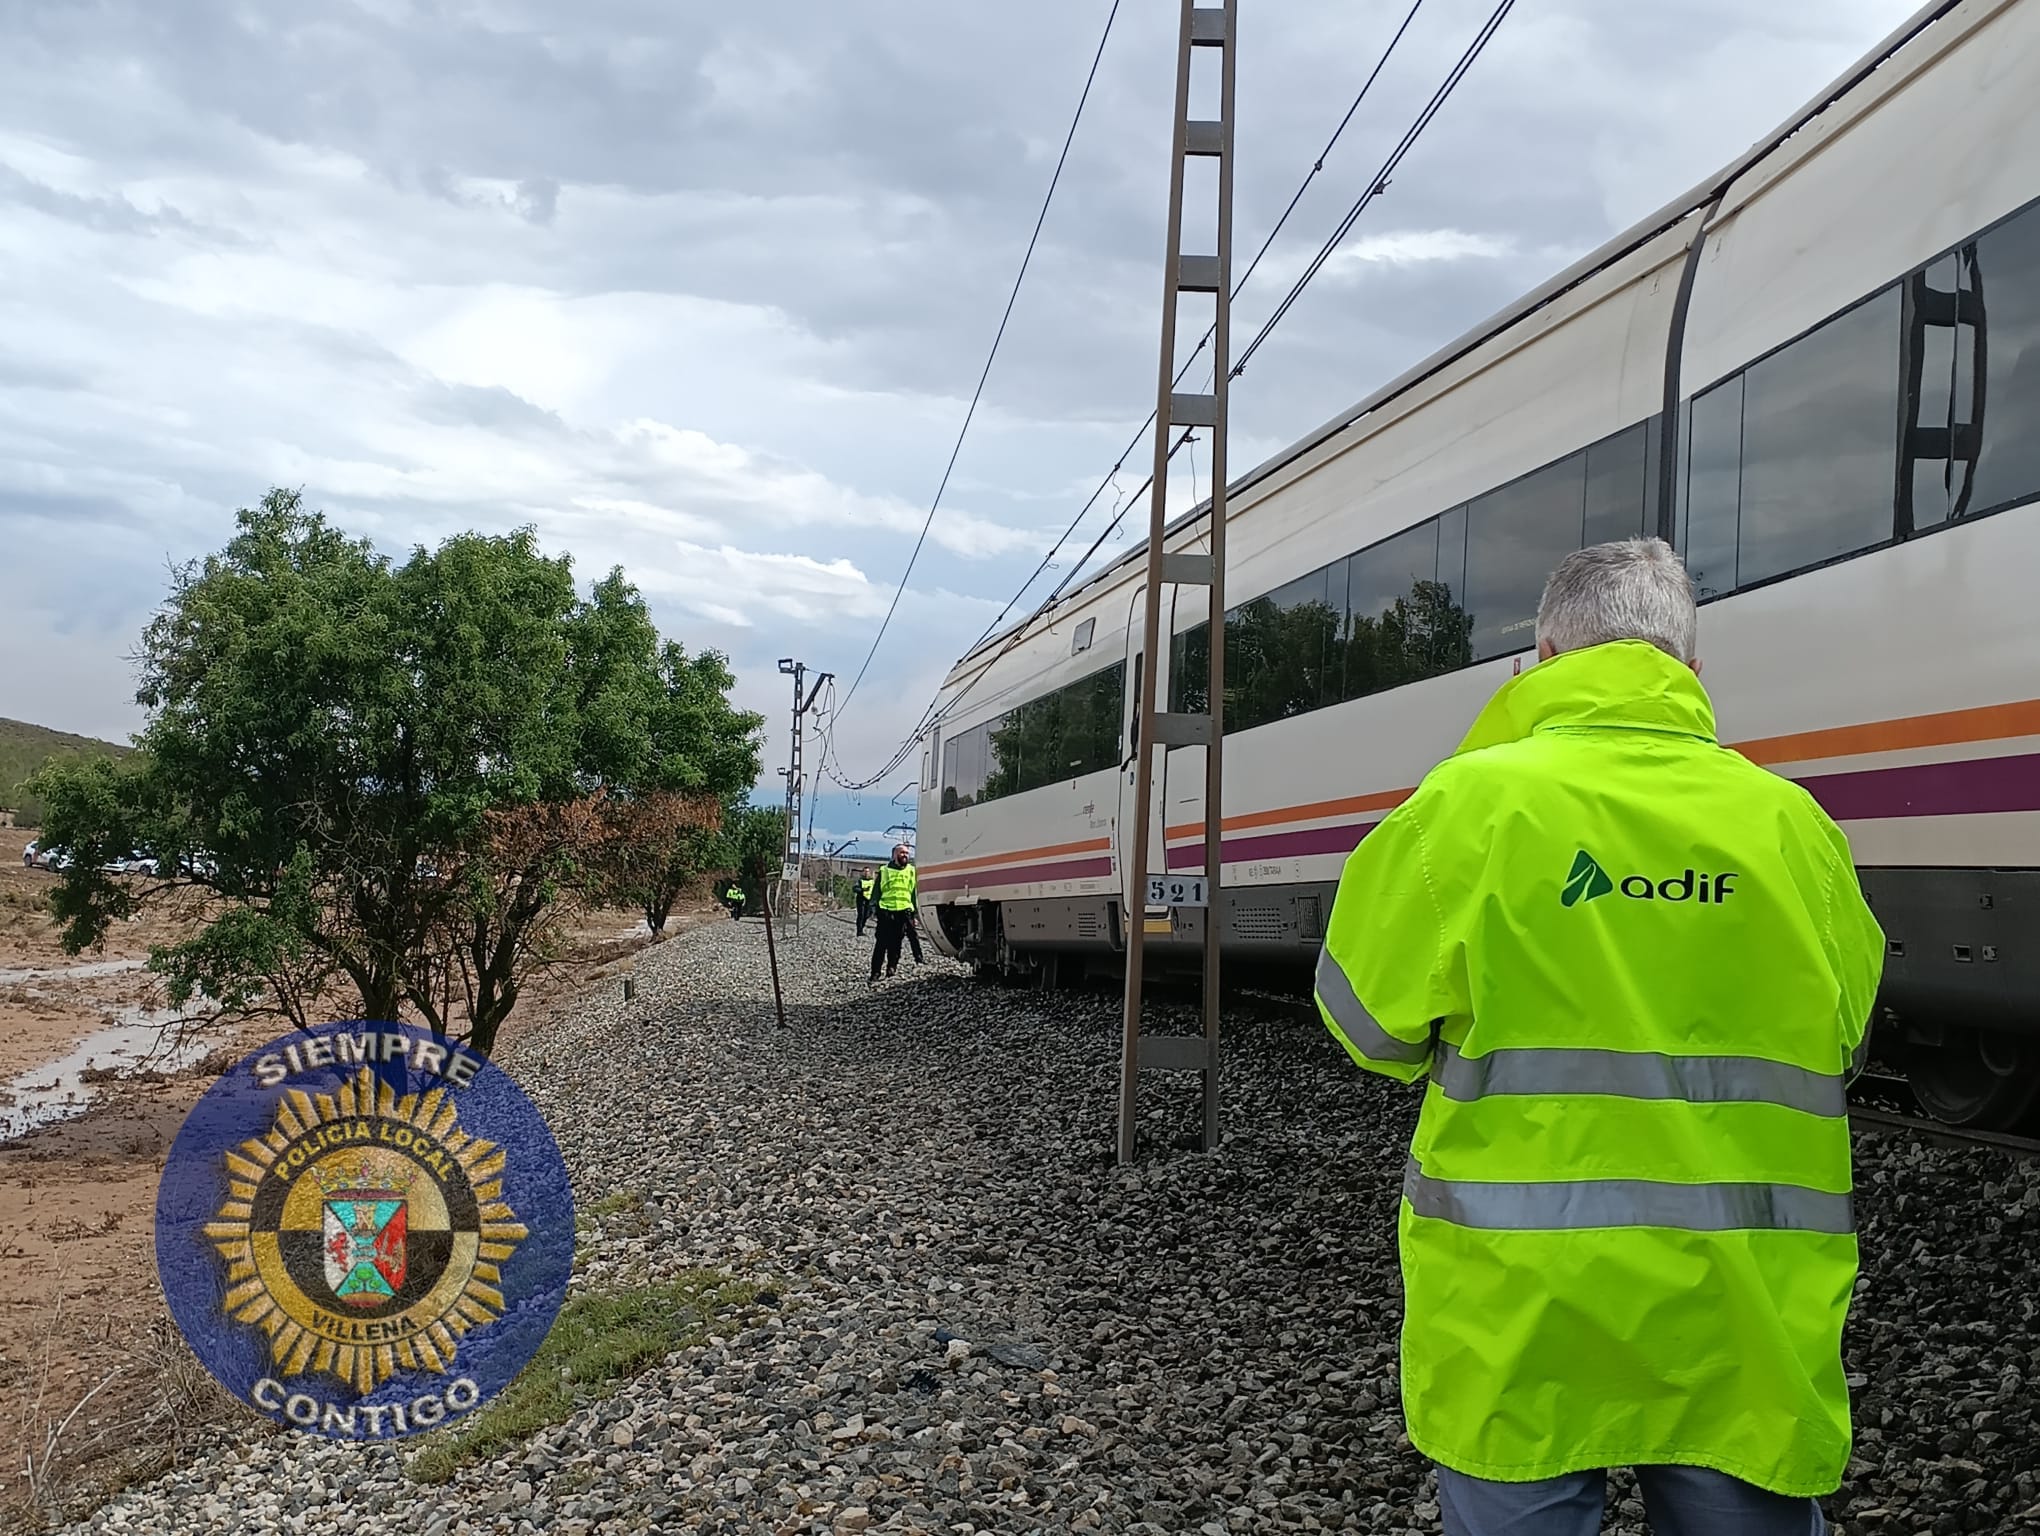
(1059, 736)
(1817, 444)
(1713, 488)
(1276, 648)
(1514, 537)
(1403, 625)
(2007, 280)
(1931, 355)
(1617, 487)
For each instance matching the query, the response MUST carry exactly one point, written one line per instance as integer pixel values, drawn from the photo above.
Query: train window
(2007, 279)
(963, 767)
(1818, 445)
(1713, 453)
(1514, 537)
(1276, 648)
(1002, 773)
(1190, 670)
(1060, 736)
(1091, 714)
(1108, 735)
(1452, 550)
(1044, 755)
(1617, 486)
(1402, 624)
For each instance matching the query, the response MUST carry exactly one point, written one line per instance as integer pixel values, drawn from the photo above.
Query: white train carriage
(1818, 375)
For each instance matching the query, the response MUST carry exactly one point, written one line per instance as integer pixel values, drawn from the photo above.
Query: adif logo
(1587, 881)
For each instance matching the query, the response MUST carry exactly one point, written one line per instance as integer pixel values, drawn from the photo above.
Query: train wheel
(1976, 1078)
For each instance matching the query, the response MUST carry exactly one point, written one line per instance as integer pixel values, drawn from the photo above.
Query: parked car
(28, 854)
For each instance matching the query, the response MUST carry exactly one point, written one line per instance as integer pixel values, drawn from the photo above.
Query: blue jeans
(1681, 1501)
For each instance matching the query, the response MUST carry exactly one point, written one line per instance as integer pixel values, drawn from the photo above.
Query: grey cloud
(107, 215)
(21, 372)
(811, 211)
(538, 199)
(494, 408)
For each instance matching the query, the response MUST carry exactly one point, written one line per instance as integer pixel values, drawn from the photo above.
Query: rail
(1867, 1118)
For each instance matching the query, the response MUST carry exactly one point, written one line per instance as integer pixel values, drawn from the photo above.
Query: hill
(24, 748)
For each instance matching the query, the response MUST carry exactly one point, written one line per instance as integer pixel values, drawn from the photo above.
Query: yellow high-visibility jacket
(1636, 969)
(895, 888)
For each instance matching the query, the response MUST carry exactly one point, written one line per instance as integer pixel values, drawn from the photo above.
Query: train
(1817, 375)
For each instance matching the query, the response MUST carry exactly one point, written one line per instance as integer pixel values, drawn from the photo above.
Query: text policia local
(365, 1049)
(460, 1394)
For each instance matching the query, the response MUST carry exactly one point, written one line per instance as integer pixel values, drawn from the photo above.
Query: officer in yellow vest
(733, 898)
(1638, 972)
(865, 886)
(894, 898)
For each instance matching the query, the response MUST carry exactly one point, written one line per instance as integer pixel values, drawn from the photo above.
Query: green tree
(698, 750)
(754, 844)
(393, 775)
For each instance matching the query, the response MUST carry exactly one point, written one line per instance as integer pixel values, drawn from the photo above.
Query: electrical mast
(1212, 28)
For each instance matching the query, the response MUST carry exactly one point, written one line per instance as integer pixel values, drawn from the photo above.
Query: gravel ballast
(974, 1322)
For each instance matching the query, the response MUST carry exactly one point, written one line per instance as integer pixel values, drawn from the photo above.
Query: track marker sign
(364, 1230)
(1176, 891)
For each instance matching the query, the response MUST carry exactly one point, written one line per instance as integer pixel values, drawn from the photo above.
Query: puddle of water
(145, 1039)
(71, 972)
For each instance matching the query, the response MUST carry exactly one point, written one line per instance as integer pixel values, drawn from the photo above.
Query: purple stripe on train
(1977, 787)
(1980, 786)
(1343, 838)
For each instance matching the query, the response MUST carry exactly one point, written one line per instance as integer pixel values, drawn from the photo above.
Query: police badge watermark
(364, 1231)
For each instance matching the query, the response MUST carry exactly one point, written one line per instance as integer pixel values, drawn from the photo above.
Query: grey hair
(1636, 589)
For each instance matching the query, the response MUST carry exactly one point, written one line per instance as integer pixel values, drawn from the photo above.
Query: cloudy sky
(703, 289)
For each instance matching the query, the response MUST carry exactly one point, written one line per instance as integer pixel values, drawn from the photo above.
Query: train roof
(1672, 213)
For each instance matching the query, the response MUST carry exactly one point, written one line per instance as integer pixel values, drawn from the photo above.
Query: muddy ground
(81, 1314)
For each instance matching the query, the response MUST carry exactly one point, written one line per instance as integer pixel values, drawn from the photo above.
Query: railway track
(1872, 1118)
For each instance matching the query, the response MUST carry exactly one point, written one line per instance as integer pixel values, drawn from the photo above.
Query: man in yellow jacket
(867, 887)
(893, 897)
(1638, 972)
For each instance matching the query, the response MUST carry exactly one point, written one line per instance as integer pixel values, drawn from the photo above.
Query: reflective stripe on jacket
(1635, 968)
(895, 888)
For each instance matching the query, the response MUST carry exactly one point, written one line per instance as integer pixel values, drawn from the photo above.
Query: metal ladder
(1212, 27)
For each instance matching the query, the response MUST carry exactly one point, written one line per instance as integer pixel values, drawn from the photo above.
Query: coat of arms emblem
(364, 1234)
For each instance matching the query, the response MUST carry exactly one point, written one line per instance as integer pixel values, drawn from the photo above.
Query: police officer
(1638, 970)
(733, 896)
(893, 895)
(865, 884)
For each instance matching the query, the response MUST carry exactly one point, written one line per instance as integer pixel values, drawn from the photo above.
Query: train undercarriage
(1958, 1014)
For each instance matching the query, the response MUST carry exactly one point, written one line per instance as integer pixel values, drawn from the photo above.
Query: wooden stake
(772, 953)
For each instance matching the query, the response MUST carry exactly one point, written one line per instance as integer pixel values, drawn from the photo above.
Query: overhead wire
(1296, 198)
(1110, 481)
(977, 395)
(1379, 183)
(1376, 184)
